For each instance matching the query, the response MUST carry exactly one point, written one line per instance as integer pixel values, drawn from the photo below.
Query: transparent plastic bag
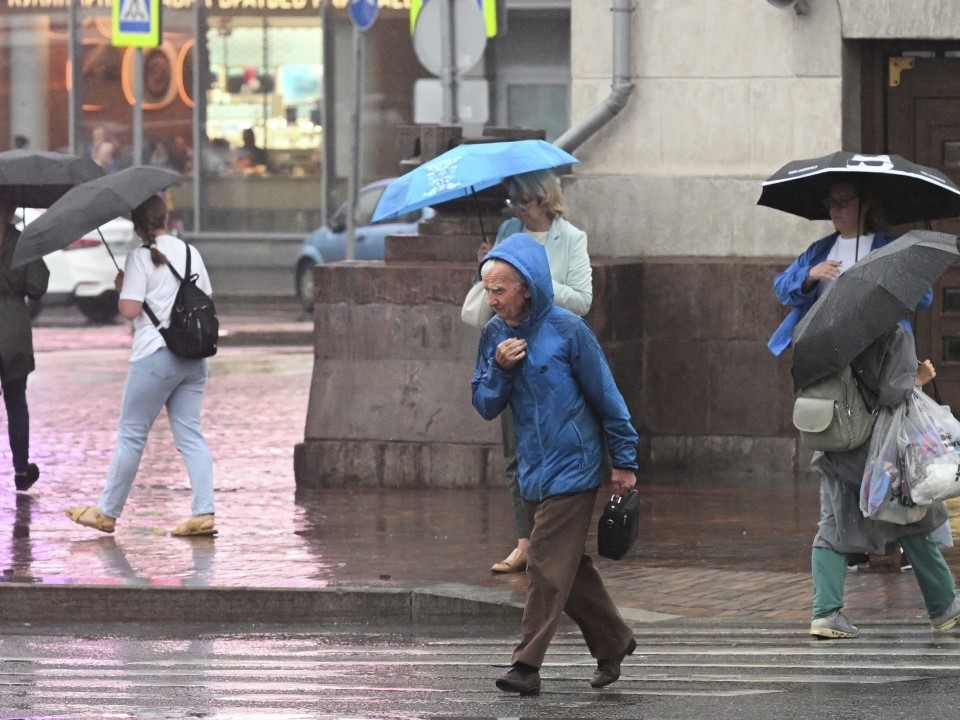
(884, 494)
(930, 449)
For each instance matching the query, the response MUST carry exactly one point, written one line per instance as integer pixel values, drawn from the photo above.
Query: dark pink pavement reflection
(709, 546)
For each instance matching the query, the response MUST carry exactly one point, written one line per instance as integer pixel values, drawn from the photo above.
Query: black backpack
(194, 327)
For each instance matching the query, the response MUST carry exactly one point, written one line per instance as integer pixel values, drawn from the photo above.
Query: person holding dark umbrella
(857, 218)
(855, 210)
(850, 191)
(889, 371)
(16, 342)
(157, 378)
(856, 325)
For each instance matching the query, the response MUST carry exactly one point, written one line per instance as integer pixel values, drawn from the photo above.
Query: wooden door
(923, 125)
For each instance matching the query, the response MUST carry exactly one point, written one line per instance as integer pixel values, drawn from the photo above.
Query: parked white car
(83, 272)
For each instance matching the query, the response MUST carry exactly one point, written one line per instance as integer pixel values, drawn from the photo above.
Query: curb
(449, 603)
(247, 338)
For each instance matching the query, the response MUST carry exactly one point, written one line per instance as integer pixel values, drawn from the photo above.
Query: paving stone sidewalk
(710, 547)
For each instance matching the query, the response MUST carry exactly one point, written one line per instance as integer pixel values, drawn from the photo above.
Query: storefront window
(269, 78)
(261, 75)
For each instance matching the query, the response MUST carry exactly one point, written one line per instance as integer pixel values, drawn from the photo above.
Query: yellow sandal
(197, 526)
(91, 517)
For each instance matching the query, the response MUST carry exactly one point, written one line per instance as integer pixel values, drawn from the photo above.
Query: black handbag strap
(146, 307)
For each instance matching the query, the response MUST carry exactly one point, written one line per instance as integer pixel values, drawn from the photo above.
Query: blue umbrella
(465, 170)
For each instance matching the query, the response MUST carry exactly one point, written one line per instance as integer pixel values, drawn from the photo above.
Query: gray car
(329, 243)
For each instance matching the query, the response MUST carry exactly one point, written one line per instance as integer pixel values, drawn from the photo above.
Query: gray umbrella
(36, 178)
(88, 206)
(867, 301)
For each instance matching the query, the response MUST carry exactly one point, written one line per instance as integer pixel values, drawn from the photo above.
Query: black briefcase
(618, 525)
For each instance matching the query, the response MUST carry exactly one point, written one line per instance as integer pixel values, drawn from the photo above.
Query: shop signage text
(239, 5)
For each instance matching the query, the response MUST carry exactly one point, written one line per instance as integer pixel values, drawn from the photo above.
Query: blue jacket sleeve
(788, 285)
(491, 386)
(593, 375)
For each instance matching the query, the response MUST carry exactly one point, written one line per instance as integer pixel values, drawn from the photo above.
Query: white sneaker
(835, 626)
(947, 620)
(857, 562)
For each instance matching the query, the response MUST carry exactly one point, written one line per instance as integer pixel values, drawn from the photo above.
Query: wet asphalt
(721, 562)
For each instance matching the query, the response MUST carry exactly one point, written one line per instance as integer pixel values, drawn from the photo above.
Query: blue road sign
(363, 13)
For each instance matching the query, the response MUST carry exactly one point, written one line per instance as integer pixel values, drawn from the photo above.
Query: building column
(30, 80)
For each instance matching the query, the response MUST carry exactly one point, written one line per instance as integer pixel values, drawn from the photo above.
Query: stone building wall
(390, 398)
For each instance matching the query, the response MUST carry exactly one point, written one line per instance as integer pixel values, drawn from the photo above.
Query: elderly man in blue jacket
(546, 364)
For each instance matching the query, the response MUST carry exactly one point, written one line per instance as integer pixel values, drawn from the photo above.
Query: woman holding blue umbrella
(538, 202)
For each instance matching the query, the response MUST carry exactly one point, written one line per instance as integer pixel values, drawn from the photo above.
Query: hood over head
(530, 259)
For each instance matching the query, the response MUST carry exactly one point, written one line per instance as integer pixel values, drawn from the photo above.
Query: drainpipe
(621, 88)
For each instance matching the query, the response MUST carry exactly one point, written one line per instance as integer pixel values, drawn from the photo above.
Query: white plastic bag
(930, 449)
(940, 481)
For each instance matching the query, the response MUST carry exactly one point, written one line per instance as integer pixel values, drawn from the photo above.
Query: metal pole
(74, 142)
(199, 96)
(328, 126)
(354, 184)
(265, 109)
(138, 107)
(448, 69)
(454, 72)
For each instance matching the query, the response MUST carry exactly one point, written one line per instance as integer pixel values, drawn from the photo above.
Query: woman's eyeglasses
(832, 203)
(519, 203)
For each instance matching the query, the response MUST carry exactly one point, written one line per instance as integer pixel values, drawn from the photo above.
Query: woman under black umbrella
(857, 219)
(16, 342)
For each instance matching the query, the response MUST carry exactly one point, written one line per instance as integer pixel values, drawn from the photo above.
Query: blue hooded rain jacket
(563, 396)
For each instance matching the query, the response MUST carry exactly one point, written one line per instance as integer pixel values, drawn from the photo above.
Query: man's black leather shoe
(520, 680)
(608, 671)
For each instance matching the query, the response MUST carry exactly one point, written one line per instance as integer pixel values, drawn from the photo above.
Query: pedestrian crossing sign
(487, 7)
(136, 23)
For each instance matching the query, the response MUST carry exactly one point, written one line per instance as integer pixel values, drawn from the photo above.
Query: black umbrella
(867, 301)
(35, 178)
(907, 192)
(88, 206)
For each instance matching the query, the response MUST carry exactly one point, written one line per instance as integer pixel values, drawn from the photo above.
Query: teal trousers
(936, 583)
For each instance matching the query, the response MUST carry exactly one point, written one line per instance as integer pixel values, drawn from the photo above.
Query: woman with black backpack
(158, 377)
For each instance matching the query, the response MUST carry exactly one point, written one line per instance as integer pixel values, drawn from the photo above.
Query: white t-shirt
(157, 286)
(848, 251)
(539, 236)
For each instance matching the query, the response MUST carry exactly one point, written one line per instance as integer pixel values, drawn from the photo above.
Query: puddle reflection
(20, 552)
(404, 536)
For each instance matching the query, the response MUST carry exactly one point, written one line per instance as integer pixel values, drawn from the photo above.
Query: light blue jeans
(161, 379)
